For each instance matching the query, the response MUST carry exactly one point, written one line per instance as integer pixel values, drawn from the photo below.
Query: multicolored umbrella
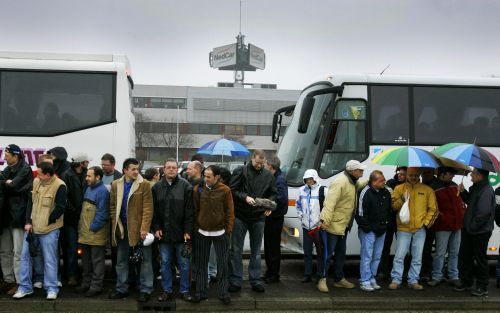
(407, 156)
(469, 154)
(224, 147)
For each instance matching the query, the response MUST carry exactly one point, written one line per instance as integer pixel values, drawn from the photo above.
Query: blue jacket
(282, 198)
(98, 195)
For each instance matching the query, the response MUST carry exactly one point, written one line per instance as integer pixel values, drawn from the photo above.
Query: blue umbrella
(223, 147)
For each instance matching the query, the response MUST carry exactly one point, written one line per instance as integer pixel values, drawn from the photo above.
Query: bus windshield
(298, 151)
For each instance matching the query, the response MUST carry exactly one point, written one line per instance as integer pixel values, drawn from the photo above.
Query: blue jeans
(256, 232)
(168, 256)
(370, 253)
(48, 246)
(122, 260)
(404, 241)
(446, 241)
(70, 250)
(38, 263)
(336, 250)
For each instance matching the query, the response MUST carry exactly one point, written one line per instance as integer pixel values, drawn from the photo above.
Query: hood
(311, 174)
(59, 152)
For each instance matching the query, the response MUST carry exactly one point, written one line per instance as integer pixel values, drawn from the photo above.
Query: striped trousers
(201, 256)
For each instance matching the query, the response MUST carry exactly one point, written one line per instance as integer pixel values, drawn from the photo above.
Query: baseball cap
(353, 165)
(80, 157)
(13, 149)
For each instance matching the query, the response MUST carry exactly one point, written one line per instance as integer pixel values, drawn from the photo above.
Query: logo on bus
(30, 155)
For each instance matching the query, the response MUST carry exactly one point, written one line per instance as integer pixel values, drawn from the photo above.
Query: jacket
(61, 165)
(173, 209)
(17, 193)
(247, 181)
(46, 206)
(76, 184)
(340, 202)
(451, 207)
(139, 210)
(480, 214)
(3, 216)
(497, 208)
(214, 208)
(423, 206)
(281, 196)
(374, 210)
(93, 227)
(308, 206)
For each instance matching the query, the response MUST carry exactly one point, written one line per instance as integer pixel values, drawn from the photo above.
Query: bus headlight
(291, 231)
(494, 248)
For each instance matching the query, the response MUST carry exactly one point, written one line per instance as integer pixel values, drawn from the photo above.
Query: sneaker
(21, 294)
(433, 282)
(415, 286)
(51, 295)
(117, 295)
(322, 286)
(38, 285)
(225, 300)
(307, 279)
(187, 297)
(462, 287)
(393, 286)
(454, 282)
(374, 284)
(234, 288)
(258, 288)
(166, 296)
(72, 281)
(59, 284)
(366, 287)
(479, 292)
(343, 283)
(144, 297)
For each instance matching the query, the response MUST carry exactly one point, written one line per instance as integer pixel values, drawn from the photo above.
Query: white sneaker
(322, 287)
(51, 295)
(374, 284)
(366, 287)
(38, 285)
(21, 294)
(158, 277)
(59, 284)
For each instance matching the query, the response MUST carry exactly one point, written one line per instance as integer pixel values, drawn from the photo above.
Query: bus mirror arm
(277, 118)
(308, 105)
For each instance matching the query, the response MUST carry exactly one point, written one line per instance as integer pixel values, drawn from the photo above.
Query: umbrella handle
(461, 183)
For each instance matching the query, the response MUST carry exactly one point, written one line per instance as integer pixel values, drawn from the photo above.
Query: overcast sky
(168, 41)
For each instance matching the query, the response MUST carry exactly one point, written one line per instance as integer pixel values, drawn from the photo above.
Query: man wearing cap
(17, 188)
(423, 212)
(337, 217)
(74, 178)
(93, 232)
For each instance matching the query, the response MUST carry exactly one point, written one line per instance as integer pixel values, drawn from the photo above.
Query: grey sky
(168, 42)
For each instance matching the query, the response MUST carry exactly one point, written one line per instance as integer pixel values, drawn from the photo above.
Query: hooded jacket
(61, 164)
(480, 214)
(308, 203)
(451, 207)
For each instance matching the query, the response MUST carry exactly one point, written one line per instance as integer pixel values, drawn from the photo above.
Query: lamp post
(177, 137)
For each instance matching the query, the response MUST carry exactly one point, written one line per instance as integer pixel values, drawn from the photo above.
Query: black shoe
(213, 279)
(92, 293)
(198, 299)
(498, 282)
(234, 288)
(425, 278)
(479, 292)
(166, 296)
(144, 297)
(307, 279)
(258, 288)
(462, 287)
(187, 297)
(82, 289)
(272, 280)
(225, 300)
(117, 295)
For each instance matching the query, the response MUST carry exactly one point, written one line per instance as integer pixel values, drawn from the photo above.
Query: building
(202, 114)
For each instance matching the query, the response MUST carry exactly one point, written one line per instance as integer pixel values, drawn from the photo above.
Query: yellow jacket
(340, 203)
(423, 206)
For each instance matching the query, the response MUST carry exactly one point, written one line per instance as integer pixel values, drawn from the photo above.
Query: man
(131, 211)
(478, 226)
(93, 232)
(108, 167)
(385, 260)
(337, 217)
(423, 212)
(428, 178)
(248, 183)
(372, 215)
(152, 175)
(447, 227)
(274, 223)
(60, 155)
(195, 157)
(497, 221)
(74, 178)
(193, 172)
(17, 187)
(173, 225)
(214, 208)
(43, 219)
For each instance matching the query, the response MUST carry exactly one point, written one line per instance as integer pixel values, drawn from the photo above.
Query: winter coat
(340, 203)
(173, 209)
(282, 195)
(76, 184)
(308, 205)
(451, 207)
(423, 206)
(214, 208)
(139, 210)
(17, 193)
(480, 214)
(93, 227)
(247, 181)
(497, 208)
(374, 210)
(3, 216)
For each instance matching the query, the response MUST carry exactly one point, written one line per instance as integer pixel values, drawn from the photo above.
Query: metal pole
(177, 139)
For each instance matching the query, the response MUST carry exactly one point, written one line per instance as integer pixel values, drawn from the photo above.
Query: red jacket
(451, 207)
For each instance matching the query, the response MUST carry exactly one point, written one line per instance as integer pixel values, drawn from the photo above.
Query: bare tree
(143, 138)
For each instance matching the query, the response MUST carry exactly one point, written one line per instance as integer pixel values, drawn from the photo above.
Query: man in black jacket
(60, 155)
(497, 221)
(247, 184)
(173, 223)
(74, 178)
(478, 226)
(18, 184)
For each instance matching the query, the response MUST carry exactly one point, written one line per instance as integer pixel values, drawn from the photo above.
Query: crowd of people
(195, 223)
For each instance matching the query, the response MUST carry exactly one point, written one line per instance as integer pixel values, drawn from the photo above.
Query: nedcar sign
(223, 56)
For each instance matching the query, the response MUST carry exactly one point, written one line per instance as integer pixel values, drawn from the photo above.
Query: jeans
(446, 241)
(168, 256)
(11, 245)
(48, 246)
(122, 264)
(38, 267)
(256, 232)
(69, 245)
(212, 263)
(336, 249)
(370, 253)
(404, 241)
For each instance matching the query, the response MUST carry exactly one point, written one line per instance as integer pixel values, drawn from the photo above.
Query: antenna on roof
(388, 65)
(240, 17)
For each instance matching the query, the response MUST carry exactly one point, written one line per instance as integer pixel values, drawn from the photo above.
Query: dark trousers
(473, 249)
(202, 245)
(430, 236)
(69, 244)
(272, 245)
(93, 267)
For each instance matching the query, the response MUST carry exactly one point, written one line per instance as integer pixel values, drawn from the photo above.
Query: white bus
(80, 102)
(350, 116)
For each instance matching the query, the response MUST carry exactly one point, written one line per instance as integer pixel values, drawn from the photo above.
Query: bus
(82, 102)
(356, 116)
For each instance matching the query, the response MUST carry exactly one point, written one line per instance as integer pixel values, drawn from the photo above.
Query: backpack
(321, 197)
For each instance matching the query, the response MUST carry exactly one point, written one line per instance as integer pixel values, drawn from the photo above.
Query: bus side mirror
(276, 127)
(305, 114)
